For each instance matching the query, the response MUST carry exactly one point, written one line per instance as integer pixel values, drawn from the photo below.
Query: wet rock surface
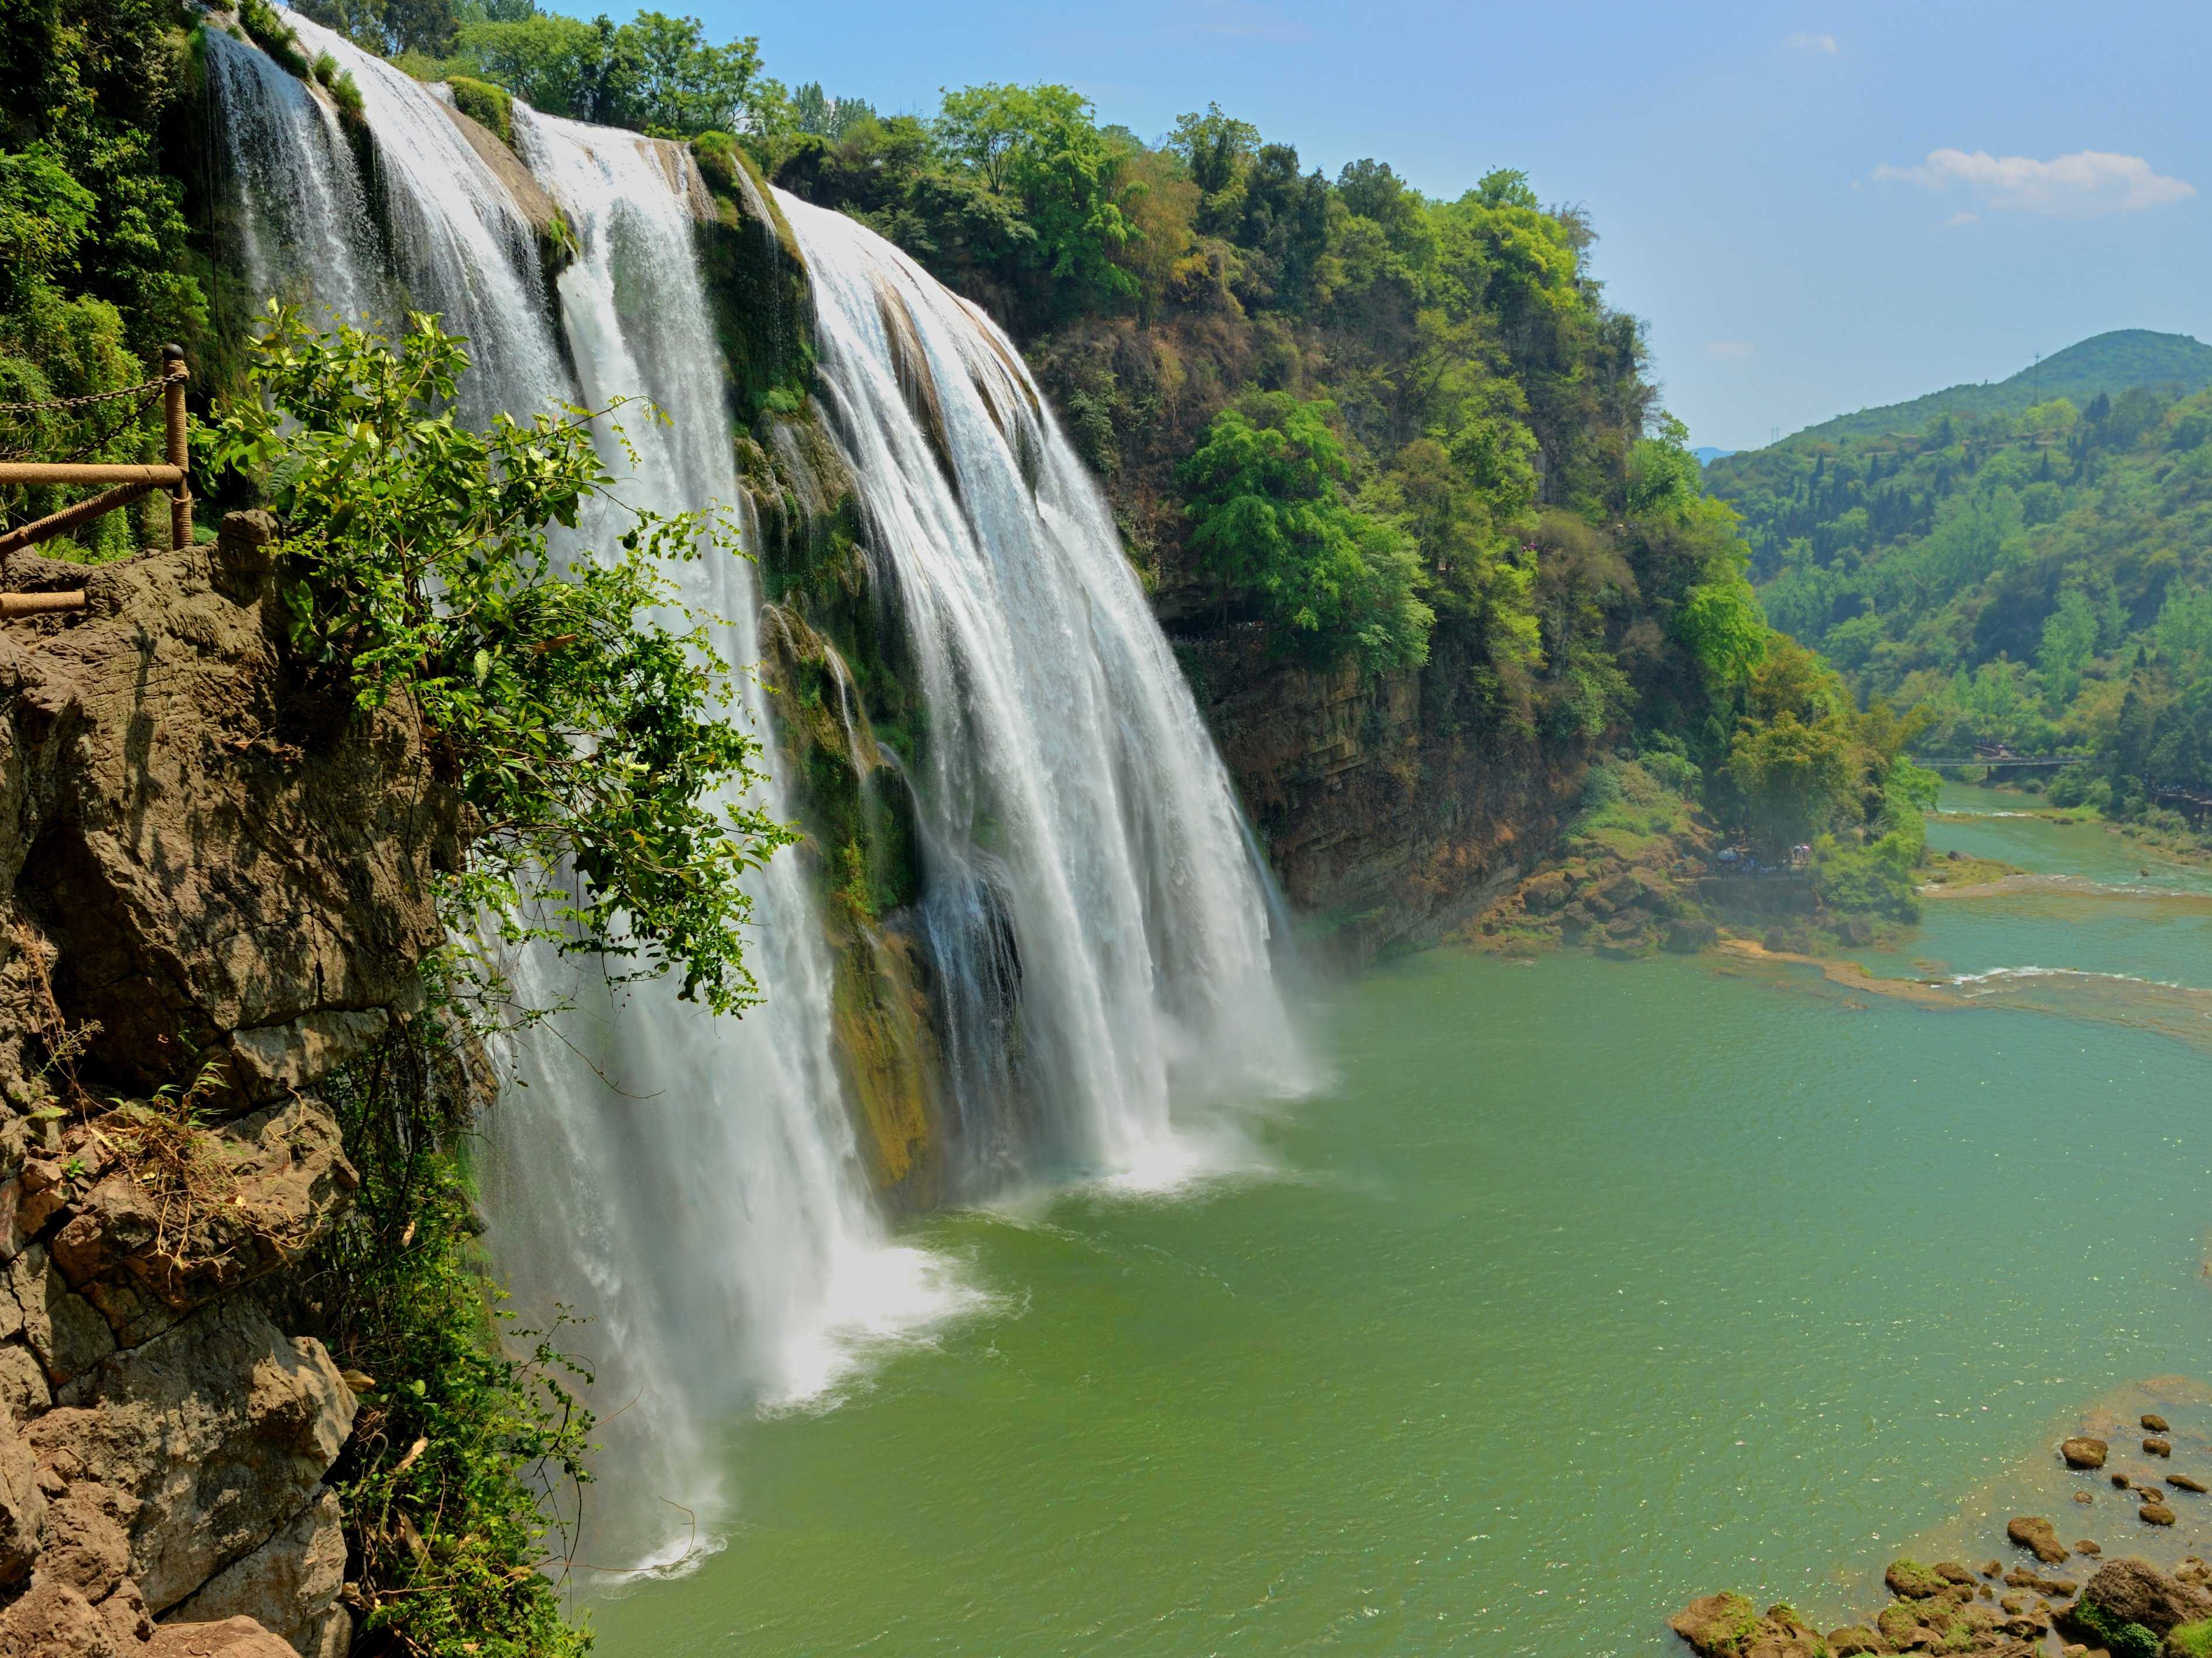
(2084, 1452)
(2129, 1605)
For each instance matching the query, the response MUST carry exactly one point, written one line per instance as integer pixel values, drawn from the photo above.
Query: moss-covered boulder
(1728, 1626)
(862, 850)
(1909, 1580)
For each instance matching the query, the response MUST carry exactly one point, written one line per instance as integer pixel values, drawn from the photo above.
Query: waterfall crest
(1099, 934)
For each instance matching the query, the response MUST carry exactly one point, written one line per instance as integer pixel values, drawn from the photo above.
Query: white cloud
(2081, 185)
(1964, 218)
(1730, 350)
(1804, 42)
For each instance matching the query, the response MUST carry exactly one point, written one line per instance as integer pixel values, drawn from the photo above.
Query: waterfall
(691, 1185)
(1071, 797)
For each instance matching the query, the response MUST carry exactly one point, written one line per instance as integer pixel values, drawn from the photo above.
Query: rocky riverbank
(2042, 1594)
(1639, 868)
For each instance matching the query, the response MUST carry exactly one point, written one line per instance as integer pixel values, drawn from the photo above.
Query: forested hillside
(2040, 579)
(2109, 363)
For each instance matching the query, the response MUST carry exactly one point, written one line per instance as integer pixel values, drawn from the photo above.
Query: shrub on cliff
(470, 1446)
(584, 737)
(1270, 514)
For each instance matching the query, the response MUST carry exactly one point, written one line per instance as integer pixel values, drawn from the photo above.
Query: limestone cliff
(1385, 828)
(213, 882)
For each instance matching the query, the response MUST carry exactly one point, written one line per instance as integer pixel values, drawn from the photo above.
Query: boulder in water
(2036, 1535)
(1725, 1626)
(2181, 1482)
(1909, 1580)
(2083, 1452)
(2154, 1423)
(2155, 1514)
(2133, 1591)
(2157, 1448)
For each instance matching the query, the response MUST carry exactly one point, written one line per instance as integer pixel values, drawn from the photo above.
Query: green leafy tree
(1266, 498)
(1041, 147)
(578, 732)
(1792, 781)
(654, 74)
(2069, 640)
(1217, 149)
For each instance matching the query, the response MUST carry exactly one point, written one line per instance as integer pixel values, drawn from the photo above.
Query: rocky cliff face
(1387, 826)
(214, 891)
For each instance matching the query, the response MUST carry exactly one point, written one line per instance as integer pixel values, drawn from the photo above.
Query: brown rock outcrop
(290, 1583)
(220, 1430)
(233, 1637)
(2038, 1536)
(2083, 1452)
(214, 880)
(205, 841)
(2132, 1591)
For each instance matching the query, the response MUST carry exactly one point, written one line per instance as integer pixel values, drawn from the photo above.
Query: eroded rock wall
(1386, 825)
(214, 889)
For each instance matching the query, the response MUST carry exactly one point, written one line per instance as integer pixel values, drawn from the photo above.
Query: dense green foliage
(1270, 515)
(2040, 579)
(579, 734)
(657, 74)
(2122, 1640)
(461, 1448)
(97, 273)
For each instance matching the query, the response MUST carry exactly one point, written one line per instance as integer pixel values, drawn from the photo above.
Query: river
(1584, 1288)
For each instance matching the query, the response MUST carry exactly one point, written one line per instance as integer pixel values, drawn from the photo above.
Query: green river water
(1584, 1288)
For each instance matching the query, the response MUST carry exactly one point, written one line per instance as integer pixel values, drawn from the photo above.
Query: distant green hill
(2032, 569)
(2110, 363)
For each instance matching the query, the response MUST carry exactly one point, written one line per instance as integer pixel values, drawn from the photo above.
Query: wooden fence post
(181, 503)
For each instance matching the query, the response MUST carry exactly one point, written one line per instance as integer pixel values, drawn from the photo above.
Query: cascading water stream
(715, 1202)
(690, 1185)
(1069, 794)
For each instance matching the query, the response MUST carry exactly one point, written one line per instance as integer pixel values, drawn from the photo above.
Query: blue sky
(1815, 207)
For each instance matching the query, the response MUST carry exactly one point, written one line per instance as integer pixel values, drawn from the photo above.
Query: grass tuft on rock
(491, 107)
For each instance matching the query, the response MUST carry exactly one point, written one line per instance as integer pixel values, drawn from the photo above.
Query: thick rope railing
(130, 481)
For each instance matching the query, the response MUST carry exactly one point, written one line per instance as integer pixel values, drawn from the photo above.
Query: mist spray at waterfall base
(690, 1187)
